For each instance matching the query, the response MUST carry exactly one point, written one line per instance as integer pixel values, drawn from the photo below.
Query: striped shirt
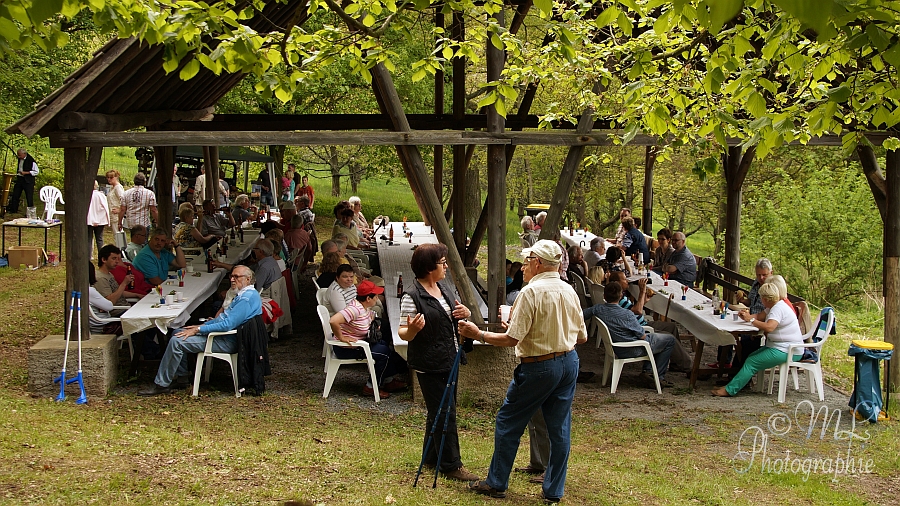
(137, 202)
(627, 304)
(337, 297)
(356, 320)
(408, 308)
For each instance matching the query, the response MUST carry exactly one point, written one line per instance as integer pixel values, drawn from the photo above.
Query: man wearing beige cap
(545, 325)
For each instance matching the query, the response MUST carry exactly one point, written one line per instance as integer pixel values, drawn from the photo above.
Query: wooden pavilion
(123, 97)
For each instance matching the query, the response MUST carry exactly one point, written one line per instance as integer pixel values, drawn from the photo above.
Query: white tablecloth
(709, 328)
(196, 289)
(395, 259)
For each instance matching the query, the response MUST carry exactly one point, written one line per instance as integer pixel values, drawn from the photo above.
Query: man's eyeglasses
(443, 262)
(238, 276)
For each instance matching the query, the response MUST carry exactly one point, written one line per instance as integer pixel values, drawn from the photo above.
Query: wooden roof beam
(95, 122)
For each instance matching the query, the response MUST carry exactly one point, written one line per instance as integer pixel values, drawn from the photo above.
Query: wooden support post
(875, 178)
(496, 198)
(439, 111)
(78, 183)
(458, 201)
(892, 260)
(566, 179)
(647, 213)
(211, 162)
(418, 180)
(736, 167)
(165, 163)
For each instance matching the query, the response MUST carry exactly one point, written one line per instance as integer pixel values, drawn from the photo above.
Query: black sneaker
(155, 390)
(481, 487)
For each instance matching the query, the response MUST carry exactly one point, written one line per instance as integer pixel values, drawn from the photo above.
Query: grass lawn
(291, 444)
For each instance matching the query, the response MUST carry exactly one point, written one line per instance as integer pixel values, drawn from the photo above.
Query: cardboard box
(27, 255)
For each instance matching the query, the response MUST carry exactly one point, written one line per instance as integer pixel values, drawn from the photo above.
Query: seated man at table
(138, 240)
(681, 361)
(106, 285)
(192, 339)
(265, 269)
(213, 223)
(154, 260)
(623, 327)
(596, 253)
(527, 236)
(637, 242)
(681, 266)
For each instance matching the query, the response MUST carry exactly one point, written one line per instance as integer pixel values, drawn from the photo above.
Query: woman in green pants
(782, 330)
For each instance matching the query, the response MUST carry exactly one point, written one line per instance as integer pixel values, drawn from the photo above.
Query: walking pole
(444, 398)
(454, 374)
(82, 399)
(62, 377)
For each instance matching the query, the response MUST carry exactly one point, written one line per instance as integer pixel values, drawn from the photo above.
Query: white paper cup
(504, 312)
(170, 299)
(179, 296)
(190, 267)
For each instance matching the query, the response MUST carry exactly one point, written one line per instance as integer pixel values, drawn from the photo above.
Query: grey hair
(297, 221)
(764, 263)
(526, 220)
(770, 292)
(266, 247)
(239, 201)
(541, 216)
(354, 200)
(328, 244)
(248, 273)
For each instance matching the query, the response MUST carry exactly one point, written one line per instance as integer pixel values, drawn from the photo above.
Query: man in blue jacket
(245, 305)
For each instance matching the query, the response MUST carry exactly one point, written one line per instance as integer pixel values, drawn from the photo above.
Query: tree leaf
(606, 17)
(189, 70)
(721, 12)
(546, 6)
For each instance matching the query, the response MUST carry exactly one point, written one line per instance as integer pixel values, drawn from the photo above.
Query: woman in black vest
(428, 318)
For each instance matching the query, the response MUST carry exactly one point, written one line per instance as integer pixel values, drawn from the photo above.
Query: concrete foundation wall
(100, 358)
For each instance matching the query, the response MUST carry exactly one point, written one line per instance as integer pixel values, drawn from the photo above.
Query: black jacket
(434, 348)
(253, 355)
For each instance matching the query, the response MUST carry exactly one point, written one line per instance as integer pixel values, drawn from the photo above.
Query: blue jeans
(550, 387)
(174, 362)
(661, 345)
(266, 198)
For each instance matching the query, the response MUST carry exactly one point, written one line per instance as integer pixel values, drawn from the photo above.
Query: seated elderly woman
(186, 234)
(576, 261)
(361, 223)
(351, 324)
(344, 224)
(297, 239)
(341, 291)
(528, 236)
(240, 212)
(782, 330)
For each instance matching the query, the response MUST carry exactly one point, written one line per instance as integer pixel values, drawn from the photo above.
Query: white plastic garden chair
(616, 364)
(332, 363)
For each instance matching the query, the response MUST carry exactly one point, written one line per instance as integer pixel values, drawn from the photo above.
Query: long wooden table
(394, 260)
(702, 323)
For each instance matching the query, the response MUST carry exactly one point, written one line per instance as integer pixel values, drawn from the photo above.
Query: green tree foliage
(816, 220)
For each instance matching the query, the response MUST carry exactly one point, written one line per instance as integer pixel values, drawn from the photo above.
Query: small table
(35, 224)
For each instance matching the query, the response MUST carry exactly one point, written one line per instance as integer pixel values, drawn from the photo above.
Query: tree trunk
(496, 203)
(78, 179)
(335, 166)
(892, 259)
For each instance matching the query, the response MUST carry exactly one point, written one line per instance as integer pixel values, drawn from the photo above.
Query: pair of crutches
(82, 399)
(443, 411)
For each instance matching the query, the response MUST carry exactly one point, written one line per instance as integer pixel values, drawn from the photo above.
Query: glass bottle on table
(399, 284)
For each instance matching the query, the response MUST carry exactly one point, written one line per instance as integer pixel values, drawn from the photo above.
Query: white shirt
(98, 212)
(788, 330)
(546, 317)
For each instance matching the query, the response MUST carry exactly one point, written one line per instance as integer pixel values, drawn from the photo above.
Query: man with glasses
(192, 339)
(545, 325)
(681, 266)
(138, 240)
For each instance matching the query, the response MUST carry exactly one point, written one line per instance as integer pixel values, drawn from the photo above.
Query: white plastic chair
(813, 370)
(49, 196)
(614, 363)
(111, 319)
(208, 354)
(332, 363)
(581, 290)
